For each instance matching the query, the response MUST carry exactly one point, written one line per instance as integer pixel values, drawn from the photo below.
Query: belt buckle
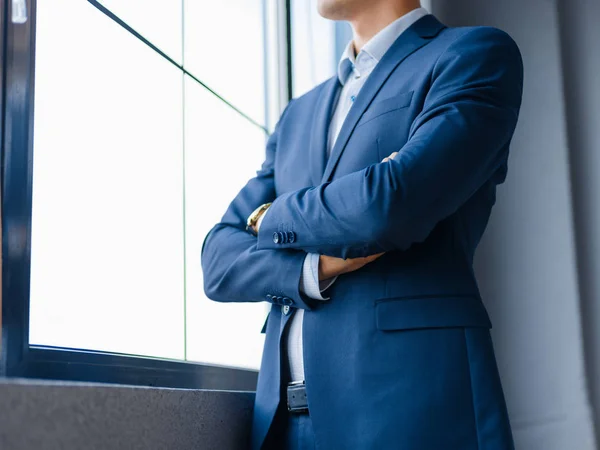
(296, 397)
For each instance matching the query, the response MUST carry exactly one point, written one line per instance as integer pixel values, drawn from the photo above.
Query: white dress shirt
(353, 71)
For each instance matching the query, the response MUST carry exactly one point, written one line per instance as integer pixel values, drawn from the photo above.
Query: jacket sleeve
(457, 143)
(234, 269)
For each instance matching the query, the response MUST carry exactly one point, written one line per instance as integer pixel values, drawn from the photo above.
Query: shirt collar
(377, 46)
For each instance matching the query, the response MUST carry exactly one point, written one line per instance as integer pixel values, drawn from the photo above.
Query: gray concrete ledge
(42, 415)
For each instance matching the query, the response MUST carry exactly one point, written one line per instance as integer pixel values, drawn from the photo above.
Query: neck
(374, 19)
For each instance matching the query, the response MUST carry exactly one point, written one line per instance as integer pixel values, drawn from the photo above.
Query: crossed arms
(455, 145)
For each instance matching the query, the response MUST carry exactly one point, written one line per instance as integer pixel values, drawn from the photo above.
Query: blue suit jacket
(401, 356)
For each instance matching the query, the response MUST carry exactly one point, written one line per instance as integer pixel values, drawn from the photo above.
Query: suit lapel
(320, 129)
(407, 43)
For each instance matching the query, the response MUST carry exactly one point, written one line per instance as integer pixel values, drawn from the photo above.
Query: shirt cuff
(309, 280)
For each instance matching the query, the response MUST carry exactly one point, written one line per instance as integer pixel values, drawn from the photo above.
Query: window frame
(18, 358)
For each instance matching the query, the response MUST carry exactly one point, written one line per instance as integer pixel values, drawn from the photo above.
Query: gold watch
(253, 218)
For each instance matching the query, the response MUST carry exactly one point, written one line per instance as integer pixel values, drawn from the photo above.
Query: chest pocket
(385, 106)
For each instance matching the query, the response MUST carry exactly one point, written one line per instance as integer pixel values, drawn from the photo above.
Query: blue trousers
(299, 433)
(290, 432)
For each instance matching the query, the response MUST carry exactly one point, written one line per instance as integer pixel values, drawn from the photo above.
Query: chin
(336, 9)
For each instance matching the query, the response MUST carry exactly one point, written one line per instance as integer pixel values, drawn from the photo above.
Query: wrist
(254, 220)
(261, 216)
(325, 271)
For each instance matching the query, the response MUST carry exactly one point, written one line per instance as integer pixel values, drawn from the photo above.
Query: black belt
(297, 402)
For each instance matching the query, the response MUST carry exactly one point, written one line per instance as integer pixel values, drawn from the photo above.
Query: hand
(390, 157)
(330, 266)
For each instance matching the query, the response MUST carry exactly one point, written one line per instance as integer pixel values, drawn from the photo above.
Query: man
(360, 229)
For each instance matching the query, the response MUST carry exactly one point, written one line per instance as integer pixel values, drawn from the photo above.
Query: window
(313, 49)
(114, 172)
(225, 46)
(209, 124)
(317, 44)
(107, 217)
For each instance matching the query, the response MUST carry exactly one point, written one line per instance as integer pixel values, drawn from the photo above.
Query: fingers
(367, 259)
(330, 266)
(392, 156)
(371, 258)
(357, 263)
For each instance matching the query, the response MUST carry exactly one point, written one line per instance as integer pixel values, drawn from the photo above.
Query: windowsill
(97, 415)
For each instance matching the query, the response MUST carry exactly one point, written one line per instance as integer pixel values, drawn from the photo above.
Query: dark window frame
(17, 357)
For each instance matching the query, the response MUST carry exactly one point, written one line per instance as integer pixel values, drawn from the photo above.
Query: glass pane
(224, 48)
(313, 46)
(159, 21)
(107, 242)
(223, 150)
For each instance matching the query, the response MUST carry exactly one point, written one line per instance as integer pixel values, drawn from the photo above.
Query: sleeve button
(276, 238)
(291, 237)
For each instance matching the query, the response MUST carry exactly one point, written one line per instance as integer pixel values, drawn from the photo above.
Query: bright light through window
(225, 48)
(154, 20)
(217, 332)
(107, 234)
(313, 46)
(118, 221)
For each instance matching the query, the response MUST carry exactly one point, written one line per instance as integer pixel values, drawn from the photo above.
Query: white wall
(526, 263)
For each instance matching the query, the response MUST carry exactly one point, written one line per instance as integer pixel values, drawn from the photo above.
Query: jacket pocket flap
(431, 312)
